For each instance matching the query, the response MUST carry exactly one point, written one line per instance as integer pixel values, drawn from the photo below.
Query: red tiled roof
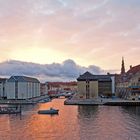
(57, 84)
(134, 70)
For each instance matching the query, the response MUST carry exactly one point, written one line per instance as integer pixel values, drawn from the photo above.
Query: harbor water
(72, 123)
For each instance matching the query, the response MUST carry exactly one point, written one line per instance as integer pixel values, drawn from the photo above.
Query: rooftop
(134, 70)
(57, 84)
(88, 76)
(23, 79)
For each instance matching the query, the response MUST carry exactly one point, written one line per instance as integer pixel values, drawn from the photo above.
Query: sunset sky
(89, 32)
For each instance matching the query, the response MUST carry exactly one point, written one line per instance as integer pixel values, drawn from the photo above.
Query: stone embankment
(24, 102)
(100, 101)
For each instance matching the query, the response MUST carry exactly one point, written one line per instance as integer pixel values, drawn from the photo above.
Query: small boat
(45, 100)
(50, 111)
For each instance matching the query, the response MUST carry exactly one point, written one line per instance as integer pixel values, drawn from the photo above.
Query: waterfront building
(43, 88)
(128, 83)
(134, 84)
(68, 86)
(53, 87)
(22, 87)
(92, 86)
(3, 88)
(56, 87)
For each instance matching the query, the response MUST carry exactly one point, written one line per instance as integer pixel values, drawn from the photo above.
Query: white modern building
(22, 87)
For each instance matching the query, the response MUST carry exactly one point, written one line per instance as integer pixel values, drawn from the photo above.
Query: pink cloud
(88, 31)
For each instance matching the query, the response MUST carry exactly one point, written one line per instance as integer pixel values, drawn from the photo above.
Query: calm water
(72, 123)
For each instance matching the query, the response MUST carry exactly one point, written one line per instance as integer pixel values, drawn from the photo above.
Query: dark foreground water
(72, 123)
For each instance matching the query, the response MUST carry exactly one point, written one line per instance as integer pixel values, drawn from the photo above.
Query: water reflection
(72, 123)
(86, 119)
(87, 111)
(132, 110)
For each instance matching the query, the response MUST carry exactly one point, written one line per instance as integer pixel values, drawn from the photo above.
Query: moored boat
(50, 111)
(45, 100)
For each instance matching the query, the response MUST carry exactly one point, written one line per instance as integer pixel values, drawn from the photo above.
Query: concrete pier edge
(103, 103)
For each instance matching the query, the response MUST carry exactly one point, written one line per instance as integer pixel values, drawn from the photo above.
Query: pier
(109, 102)
(31, 101)
(17, 102)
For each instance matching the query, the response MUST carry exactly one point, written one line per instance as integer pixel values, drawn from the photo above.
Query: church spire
(123, 67)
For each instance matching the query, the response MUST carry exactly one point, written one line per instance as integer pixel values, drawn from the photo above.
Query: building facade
(128, 83)
(43, 88)
(57, 87)
(3, 88)
(134, 85)
(92, 86)
(22, 87)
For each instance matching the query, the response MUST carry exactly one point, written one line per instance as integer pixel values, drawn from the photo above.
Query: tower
(123, 67)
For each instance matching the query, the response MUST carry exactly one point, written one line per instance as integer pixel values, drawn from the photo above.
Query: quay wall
(107, 103)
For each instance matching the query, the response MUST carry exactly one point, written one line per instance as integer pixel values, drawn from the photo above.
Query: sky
(81, 33)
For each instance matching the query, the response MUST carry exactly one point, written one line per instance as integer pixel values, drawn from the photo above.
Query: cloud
(87, 31)
(68, 70)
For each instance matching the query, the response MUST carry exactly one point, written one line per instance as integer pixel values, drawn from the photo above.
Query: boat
(45, 100)
(50, 111)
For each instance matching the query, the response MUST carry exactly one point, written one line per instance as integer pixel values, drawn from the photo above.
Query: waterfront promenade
(24, 102)
(103, 101)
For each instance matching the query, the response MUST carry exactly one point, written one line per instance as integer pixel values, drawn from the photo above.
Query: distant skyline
(89, 32)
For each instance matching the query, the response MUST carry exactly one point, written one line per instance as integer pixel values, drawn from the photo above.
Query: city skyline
(90, 33)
